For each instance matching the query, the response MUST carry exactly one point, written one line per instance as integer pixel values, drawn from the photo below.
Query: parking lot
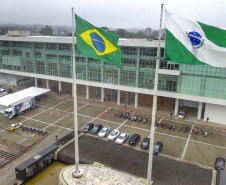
(55, 115)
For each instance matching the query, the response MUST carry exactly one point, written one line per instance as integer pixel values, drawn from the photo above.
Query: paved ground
(55, 114)
(165, 170)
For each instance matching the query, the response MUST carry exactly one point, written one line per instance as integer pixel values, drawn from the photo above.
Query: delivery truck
(20, 107)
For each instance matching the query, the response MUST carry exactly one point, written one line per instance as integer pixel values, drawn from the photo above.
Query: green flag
(97, 43)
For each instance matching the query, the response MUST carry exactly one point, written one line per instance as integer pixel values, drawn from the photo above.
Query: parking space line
(208, 144)
(123, 122)
(170, 135)
(95, 117)
(47, 123)
(82, 106)
(147, 151)
(22, 140)
(137, 128)
(39, 113)
(168, 156)
(186, 145)
(197, 164)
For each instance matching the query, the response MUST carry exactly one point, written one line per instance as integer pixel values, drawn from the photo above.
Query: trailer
(20, 102)
(20, 107)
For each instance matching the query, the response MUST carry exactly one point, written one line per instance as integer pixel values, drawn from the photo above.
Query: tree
(105, 28)
(47, 31)
(121, 33)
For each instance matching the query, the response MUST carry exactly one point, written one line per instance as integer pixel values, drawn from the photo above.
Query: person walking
(171, 114)
(207, 119)
(125, 106)
(56, 137)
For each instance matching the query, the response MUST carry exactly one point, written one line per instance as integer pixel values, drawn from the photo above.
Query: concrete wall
(10, 79)
(215, 113)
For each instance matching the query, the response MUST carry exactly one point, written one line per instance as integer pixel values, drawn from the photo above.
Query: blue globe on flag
(97, 42)
(196, 39)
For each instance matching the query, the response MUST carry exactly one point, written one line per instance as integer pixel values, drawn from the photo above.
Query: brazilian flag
(97, 43)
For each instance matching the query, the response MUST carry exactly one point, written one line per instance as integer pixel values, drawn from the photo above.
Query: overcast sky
(111, 13)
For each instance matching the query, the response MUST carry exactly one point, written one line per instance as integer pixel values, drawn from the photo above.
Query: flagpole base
(77, 175)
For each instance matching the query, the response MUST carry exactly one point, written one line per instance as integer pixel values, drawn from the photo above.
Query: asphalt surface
(165, 171)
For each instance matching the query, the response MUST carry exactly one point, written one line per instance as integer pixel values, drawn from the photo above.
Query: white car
(122, 138)
(104, 131)
(113, 135)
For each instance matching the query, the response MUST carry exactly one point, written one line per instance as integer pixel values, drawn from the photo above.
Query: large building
(49, 61)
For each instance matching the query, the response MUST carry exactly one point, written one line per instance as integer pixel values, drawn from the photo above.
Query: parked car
(88, 127)
(96, 129)
(134, 139)
(122, 138)
(157, 147)
(15, 126)
(113, 135)
(104, 131)
(220, 163)
(181, 115)
(145, 143)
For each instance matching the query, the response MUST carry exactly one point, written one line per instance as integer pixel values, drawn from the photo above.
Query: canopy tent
(33, 91)
(14, 98)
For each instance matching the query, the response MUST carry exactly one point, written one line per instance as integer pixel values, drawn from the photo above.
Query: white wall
(215, 113)
(7, 79)
(11, 79)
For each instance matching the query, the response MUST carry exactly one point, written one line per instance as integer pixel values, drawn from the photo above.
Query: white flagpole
(150, 160)
(77, 173)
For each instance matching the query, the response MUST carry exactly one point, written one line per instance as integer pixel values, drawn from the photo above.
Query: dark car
(220, 163)
(96, 129)
(157, 147)
(88, 127)
(145, 143)
(134, 139)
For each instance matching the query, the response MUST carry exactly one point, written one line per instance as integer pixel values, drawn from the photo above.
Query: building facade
(50, 58)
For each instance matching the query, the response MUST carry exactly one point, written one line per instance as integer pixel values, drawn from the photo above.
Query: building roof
(68, 40)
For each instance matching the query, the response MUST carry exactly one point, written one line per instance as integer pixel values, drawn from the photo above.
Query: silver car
(104, 131)
(122, 138)
(113, 135)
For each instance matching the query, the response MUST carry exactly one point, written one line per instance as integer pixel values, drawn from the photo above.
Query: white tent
(19, 96)
(11, 99)
(33, 91)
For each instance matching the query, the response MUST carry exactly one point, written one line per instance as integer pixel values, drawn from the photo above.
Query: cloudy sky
(111, 13)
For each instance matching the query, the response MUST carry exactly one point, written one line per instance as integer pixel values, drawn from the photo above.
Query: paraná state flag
(195, 43)
(97, 43)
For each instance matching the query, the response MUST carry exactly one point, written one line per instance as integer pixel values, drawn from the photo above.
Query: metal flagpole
(150, 160)
(77, 173)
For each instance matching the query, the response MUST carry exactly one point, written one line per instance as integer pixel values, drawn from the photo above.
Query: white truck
(20, 107)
